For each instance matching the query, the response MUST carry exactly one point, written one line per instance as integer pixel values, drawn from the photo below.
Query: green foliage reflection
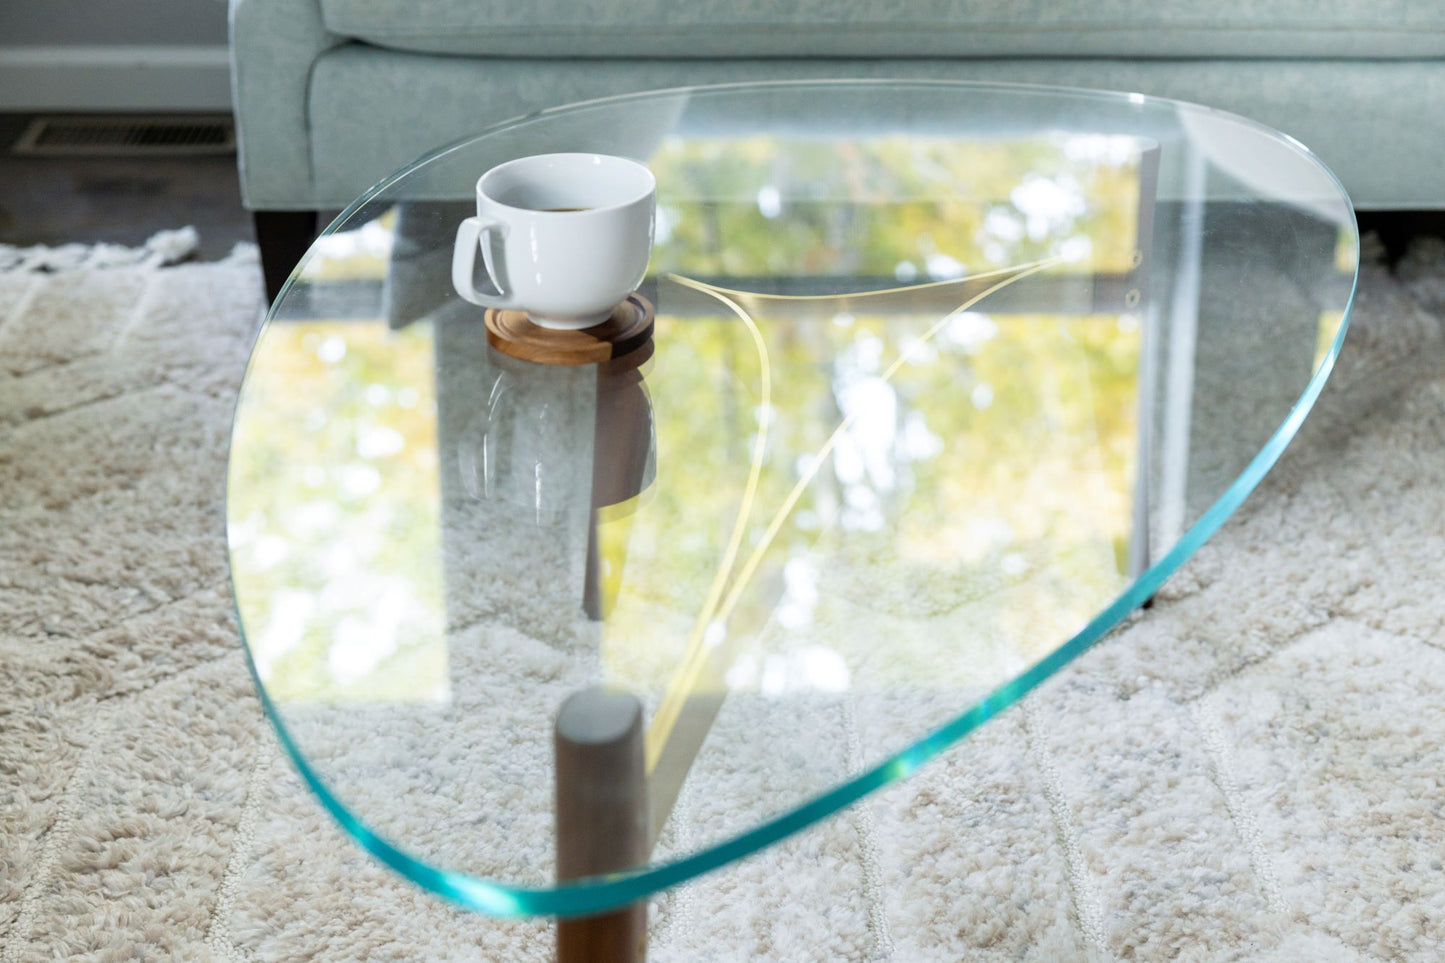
(899, 207)
(334, 516)
(976, 512)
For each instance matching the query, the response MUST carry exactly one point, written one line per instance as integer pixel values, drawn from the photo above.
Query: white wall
(105, 55)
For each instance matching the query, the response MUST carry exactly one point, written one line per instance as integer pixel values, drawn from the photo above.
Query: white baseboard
(115, 78)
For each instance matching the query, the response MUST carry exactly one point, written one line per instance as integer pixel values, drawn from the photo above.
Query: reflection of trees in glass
(333, 511)
(1028, 431)
(904, 207)
(987, 486)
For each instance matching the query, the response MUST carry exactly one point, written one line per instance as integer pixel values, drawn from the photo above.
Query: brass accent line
(1011, 273)
(666, 716)
(685, 686)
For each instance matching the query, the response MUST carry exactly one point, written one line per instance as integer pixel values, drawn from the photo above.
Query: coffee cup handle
(471, 234)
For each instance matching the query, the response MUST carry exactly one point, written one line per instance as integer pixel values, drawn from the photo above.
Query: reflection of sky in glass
(333, 514)
(349, 255)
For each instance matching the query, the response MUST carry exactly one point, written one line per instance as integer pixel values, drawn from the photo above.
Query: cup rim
(651, 187)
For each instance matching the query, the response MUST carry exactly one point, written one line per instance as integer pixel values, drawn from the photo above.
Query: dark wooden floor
(120, 200)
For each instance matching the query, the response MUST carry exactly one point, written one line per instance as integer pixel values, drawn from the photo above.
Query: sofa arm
(274, 44)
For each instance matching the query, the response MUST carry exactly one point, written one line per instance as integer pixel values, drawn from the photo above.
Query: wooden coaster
(629, 328)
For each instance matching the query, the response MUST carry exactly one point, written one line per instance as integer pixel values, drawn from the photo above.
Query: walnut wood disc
(629, 328)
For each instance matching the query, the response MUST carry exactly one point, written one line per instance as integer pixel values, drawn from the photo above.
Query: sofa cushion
(632, 29)
(1386, 155)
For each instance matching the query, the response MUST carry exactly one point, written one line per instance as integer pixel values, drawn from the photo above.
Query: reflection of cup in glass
(541, 424)
(538, 433)
(564, 237)
(572, 446)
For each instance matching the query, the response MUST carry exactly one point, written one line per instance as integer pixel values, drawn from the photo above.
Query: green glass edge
(599, 893)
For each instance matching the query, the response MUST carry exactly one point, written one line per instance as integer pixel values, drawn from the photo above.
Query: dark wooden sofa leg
(283, 237)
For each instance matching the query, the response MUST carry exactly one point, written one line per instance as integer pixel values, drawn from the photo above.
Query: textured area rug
(1255, 769)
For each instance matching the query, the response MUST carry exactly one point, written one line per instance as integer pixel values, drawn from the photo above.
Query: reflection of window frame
(1182, 320)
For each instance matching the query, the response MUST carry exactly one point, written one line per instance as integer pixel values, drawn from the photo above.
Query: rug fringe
(163, 248)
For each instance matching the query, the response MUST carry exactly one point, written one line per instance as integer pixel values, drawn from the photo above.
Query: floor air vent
(127, 136)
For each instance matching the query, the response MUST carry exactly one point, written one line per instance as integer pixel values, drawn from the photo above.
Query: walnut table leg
(601, 816)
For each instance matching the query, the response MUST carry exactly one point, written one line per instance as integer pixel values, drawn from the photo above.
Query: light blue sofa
(330, 95)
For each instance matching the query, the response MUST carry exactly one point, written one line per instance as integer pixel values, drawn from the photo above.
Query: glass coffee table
(945, 381)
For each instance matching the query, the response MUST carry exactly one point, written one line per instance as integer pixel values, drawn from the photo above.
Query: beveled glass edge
(595, 894)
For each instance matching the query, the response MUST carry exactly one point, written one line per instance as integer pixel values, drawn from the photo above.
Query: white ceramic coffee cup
(564, 237)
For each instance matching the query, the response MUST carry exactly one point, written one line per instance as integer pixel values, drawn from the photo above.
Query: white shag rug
(1253, 770)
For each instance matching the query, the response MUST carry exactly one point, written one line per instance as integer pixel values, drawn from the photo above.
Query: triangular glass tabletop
(945, 381)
